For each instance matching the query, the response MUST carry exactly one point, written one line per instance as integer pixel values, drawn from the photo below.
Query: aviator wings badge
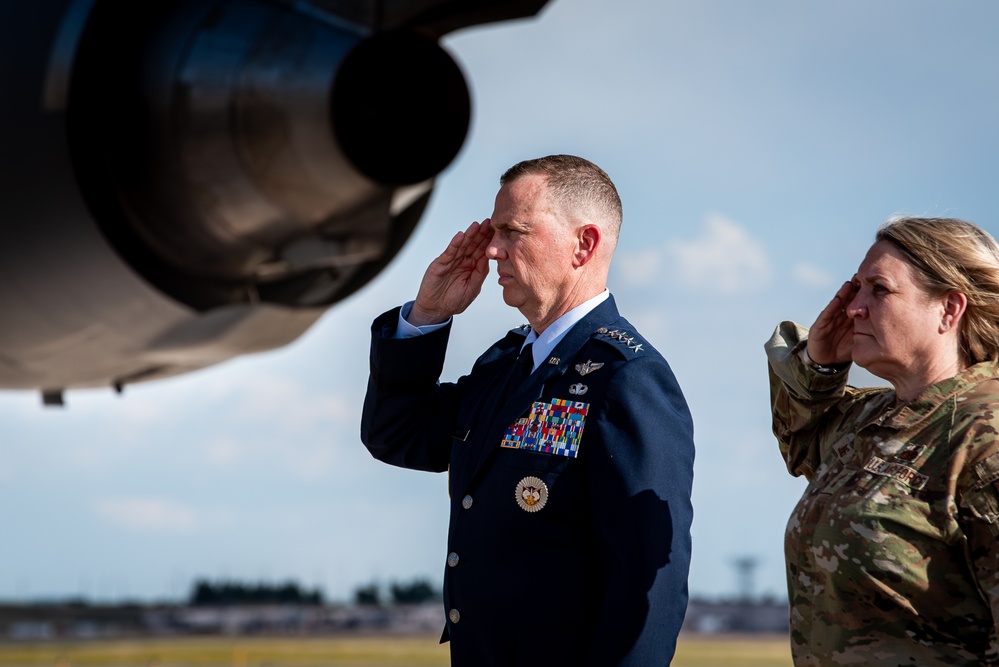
(588, 367)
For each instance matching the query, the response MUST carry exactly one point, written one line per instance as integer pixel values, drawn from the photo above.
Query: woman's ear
(954, 306)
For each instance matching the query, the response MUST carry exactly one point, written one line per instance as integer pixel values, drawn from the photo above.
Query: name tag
(902, 473)
(555, 428)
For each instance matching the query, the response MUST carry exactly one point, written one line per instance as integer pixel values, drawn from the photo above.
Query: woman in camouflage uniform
(893, 550)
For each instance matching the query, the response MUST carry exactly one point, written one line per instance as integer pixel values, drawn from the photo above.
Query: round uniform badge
(531, 494)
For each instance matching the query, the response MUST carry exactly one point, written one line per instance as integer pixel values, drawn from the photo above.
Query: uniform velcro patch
(902, 473)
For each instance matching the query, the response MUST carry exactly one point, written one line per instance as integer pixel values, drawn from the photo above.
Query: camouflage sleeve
(979, 509)
(800, 397)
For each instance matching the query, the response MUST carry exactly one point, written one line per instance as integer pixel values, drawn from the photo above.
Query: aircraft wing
(186, 181)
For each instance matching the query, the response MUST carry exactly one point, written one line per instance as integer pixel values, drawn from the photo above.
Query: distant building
(31, 630)
(765, 615)
(43, 622)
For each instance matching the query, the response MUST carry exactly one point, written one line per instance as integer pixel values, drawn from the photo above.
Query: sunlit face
(532, 246)
(896, 323)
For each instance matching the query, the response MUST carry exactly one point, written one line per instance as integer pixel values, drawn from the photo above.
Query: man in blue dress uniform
(569, 443)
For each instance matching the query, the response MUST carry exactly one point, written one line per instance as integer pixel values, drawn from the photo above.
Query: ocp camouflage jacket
(893, 550)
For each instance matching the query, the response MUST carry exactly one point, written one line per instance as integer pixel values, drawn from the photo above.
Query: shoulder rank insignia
(531, 494)
(622, 336)
(588, 367)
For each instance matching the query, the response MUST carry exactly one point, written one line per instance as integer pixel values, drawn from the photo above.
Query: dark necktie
(522, 368)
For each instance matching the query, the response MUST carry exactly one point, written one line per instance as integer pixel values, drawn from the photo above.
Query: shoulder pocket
(982, 499)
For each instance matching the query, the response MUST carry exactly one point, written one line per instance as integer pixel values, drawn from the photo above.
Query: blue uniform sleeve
(408, 416)
(406, 330)
(640, 479)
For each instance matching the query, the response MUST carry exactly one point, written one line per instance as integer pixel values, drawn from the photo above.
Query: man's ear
(588, 238)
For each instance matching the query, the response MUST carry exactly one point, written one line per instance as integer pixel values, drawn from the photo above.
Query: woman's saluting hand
(830, 340)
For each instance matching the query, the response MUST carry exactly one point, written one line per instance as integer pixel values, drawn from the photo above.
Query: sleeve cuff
(834, 369)
(406, 330)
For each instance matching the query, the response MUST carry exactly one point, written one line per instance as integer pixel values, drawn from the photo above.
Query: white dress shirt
(543, 344)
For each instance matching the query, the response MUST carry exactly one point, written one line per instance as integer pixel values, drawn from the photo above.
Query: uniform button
(466, 502)
(452, 559)
(454, 615)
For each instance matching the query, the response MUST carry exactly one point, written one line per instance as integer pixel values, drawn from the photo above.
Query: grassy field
(733, 651)
(375, 651)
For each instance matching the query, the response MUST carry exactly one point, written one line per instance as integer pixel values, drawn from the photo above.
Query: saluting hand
(830, 340)
(453, 280)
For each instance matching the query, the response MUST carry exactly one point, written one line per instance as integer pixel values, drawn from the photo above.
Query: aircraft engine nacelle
(185, 181)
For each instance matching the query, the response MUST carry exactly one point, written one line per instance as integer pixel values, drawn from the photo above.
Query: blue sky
(757, 147)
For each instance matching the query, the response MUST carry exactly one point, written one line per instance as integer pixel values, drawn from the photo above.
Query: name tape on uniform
(902, 473)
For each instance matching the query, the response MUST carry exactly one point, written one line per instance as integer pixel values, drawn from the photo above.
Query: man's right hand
(453, 280)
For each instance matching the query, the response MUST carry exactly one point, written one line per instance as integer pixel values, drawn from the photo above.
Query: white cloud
(223, 451)
(724, 259)
(308, 456)
(812, 276)
(287, 426)
(640, 268)
(151, 515)
(270, 398)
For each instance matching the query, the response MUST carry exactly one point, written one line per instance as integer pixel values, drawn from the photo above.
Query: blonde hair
(951, 255)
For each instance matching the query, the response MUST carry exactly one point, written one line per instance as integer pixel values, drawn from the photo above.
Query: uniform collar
(907, 415)
(556, 331)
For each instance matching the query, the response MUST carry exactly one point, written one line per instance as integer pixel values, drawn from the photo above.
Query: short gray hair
(575, 184)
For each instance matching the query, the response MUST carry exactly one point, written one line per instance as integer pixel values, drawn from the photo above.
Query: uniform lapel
(520, 400)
